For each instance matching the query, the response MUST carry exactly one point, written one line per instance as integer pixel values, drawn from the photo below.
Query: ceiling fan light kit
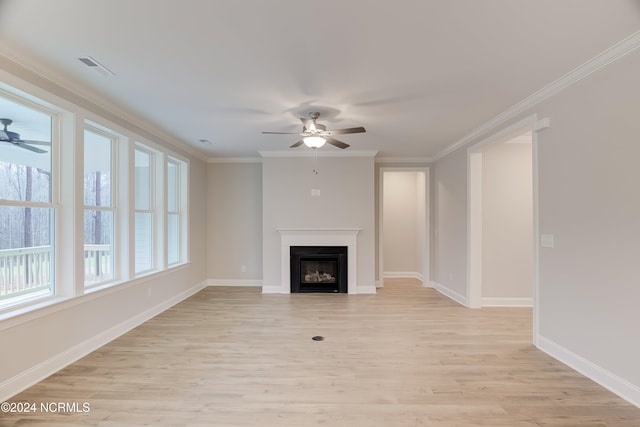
(314, 141)
(315, 135)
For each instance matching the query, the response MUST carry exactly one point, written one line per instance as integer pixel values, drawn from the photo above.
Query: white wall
(589, 200)
(234, 223)
(450, 225)
(507, 223)
(346, 200)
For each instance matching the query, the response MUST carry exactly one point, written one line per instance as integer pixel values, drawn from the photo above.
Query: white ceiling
(417, 74)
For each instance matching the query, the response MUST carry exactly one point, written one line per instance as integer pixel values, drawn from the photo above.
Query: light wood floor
(405, 357)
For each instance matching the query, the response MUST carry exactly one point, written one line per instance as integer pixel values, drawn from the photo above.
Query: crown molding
(610, 55)
(420, 160)
(29, 69)
(319, 153)
(234, 160)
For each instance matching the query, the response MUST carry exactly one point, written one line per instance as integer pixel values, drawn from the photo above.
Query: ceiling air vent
(96, 66)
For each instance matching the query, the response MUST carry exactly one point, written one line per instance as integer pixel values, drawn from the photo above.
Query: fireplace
(315, 237)
(318, 269)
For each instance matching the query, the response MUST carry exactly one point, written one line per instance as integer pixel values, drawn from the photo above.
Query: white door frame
(426, 242)
(474, 209)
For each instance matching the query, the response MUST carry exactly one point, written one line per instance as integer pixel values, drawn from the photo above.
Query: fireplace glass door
(314, 271)
(319, 269)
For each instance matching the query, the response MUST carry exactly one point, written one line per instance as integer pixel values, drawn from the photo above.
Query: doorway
(533, 126)
(501, 221)
(403, 244)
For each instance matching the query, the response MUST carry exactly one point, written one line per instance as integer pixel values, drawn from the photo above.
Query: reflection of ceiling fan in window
(14, 138)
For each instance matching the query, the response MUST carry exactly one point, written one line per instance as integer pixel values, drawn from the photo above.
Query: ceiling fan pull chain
(315, 161)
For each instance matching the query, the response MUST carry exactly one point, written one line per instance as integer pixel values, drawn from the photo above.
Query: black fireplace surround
(318, 269)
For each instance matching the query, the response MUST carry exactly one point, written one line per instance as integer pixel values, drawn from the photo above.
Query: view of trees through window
(98, 213)
(26, 210)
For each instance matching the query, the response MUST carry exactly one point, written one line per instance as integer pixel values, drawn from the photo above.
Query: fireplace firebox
(318, 269)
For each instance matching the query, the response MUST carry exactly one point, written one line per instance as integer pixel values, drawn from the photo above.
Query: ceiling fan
(314, 135)
(14, 138)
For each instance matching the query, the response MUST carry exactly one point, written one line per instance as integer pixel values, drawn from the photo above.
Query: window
(98, 207)
(130, 211)
(27, 210)
(144, 212)
(176, 211)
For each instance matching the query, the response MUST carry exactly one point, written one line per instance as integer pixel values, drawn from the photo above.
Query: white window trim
(113, 207)
(152, 210)
(182, 209)
(68, 124)
(41, 106)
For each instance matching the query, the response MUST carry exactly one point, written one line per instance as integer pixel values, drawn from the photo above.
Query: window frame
(22, 299)
(151, 210)
(68, 122)
(181, 202)
(113, 206)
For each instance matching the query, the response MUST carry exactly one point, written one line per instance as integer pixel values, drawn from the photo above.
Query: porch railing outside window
(26, 270)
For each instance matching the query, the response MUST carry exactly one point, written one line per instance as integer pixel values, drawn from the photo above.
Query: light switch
(546, 240)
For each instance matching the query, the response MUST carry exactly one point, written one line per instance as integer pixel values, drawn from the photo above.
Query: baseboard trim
(367, 289)
(233, 282)
(608, 380)
(402, 275)
(37, 373)
(460, 299)
(271, 289)
(507, 302)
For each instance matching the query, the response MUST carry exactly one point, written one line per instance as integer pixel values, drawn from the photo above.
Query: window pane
(172, 187)
(173, 239)
(26, 251)
(142, 180)
(25, 174)
(97, 169)
(143, 242)
(98, 246)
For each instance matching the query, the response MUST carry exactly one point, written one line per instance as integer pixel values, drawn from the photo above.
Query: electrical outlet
(243, 269)
(546, 240)
(148, 292)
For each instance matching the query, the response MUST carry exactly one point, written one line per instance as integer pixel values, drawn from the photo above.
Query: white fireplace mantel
(319, 237)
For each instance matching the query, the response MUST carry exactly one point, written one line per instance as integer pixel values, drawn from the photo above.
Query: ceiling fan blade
(297, 144)
(336, 143)
(283, 133)
(28, 147)
(359, 129)
(30, 142)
